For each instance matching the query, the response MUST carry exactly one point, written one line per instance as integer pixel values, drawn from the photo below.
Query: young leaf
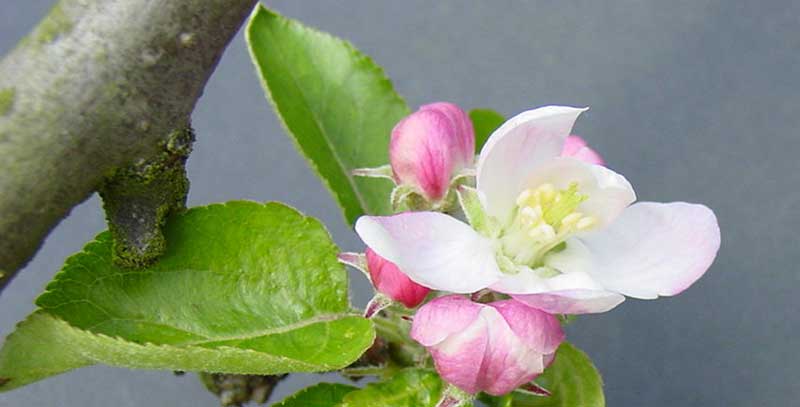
(408, 388)
(242, 288)
(335, 102)
(319, 395)
(484, 121)
(572, 379)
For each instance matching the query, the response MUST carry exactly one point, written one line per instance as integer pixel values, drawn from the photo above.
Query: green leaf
(484, 121)
(242, 288)
(320, 395)
(408, 388)
(572, 379)
(335, 102)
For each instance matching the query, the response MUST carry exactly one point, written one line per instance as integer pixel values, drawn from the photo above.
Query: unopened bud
(391, 282)
(430, 146)
(577, 147)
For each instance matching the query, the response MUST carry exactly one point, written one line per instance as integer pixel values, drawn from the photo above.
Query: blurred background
(694, 100)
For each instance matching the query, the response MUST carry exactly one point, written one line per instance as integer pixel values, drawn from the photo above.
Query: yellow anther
(587, 222)
(522, 199)
(542, 233)
(531, 215)
(571, 219)
(546, 187)
(546, 192)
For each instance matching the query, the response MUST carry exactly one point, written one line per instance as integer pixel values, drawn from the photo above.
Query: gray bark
(98, 88)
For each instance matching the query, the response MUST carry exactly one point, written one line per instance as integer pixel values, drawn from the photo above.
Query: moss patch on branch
(138, 199)
(7, 96)
(55, 24)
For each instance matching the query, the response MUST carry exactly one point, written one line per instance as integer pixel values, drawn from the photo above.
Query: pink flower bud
(577, 147)
(429, 146)
(390, 281)
(492, 347)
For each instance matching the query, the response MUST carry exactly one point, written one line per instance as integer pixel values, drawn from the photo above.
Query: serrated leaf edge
(120, 346)
(361, 59)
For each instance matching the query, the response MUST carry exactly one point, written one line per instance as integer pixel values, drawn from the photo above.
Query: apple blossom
(493, 347)
(558, 233)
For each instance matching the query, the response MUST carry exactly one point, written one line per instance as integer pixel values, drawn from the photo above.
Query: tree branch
(98, 86)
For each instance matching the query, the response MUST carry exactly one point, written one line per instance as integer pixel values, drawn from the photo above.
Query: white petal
(608, 193)
(528, 282)
(516, 148)
(572, 301)
(568, 293)
(433, 249)
(652, 249)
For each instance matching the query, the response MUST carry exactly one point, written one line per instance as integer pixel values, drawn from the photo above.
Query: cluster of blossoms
(549, 230)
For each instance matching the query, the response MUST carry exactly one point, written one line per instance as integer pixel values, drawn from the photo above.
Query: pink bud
(577, 147)
(492, 347)
(389, 280)
(429, 146)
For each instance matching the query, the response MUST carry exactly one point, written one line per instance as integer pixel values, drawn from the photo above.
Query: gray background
(691, 100)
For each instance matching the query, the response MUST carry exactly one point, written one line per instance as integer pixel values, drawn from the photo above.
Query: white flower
(559, 234)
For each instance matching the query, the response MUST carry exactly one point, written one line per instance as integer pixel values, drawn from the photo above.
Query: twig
(98, 87)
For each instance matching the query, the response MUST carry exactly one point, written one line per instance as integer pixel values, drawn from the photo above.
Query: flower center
(543, 219)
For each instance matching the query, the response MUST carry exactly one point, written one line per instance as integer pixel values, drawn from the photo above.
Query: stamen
(523, 197)
(542, 233)
(568, 202)
(546, 272)
(545, 218)
(586, 223)
(546, 193)
(570, 220)
(531, 216)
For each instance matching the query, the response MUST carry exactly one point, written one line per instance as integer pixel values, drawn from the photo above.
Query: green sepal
(505, 264)
(406, 198)
(472, 206)
(384, 171)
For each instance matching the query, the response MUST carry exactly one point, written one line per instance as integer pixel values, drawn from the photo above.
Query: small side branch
(138, 199)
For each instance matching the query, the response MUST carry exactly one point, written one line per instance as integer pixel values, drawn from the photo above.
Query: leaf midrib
(207, 339)
(321, 129)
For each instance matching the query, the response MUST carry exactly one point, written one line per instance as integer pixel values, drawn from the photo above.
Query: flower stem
(402, 349)
(389, 329)
(382, 371)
